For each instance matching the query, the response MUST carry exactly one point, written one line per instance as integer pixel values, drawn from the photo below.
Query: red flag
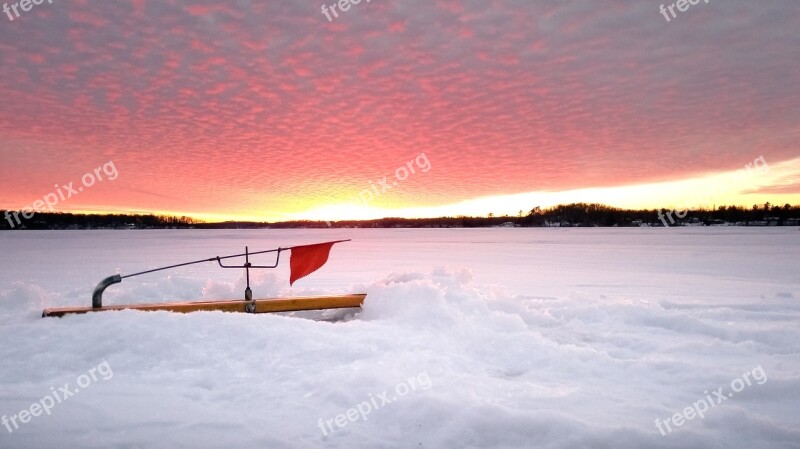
(307, 259)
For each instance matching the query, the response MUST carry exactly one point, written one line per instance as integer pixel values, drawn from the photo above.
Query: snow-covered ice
(501, 338)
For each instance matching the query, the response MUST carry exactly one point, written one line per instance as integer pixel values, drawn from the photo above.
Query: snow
(502, 338)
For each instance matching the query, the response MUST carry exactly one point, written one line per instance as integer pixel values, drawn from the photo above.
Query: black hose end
(97, 295)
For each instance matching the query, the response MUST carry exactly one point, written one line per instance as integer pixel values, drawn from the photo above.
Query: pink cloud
(222, 105)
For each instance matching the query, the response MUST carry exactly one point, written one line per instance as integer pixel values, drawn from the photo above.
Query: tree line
(576, 214)
(66, 220)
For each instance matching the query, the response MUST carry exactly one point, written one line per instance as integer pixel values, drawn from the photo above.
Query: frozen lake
(517, 337)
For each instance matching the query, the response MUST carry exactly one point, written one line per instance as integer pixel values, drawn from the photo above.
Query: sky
(268, 110)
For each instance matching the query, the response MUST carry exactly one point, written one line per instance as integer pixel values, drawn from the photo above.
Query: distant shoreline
(570, 215)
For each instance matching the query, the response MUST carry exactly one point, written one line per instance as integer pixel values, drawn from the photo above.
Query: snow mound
(569, 356)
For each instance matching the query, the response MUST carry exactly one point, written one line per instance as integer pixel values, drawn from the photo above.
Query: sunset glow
(268, 111)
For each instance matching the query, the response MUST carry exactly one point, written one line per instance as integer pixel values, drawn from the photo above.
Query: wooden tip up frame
(305, 259)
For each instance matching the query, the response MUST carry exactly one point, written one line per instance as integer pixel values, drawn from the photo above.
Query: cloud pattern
(267, 107)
